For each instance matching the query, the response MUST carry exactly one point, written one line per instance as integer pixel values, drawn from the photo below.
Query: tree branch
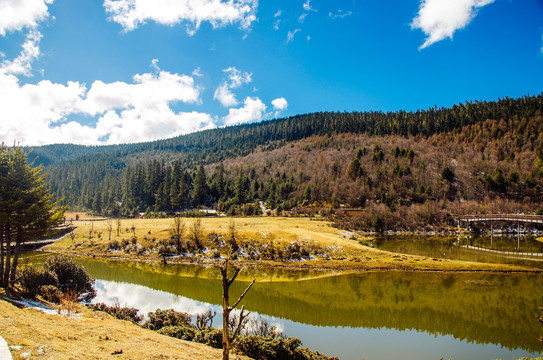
(240, 322)
(242, 295)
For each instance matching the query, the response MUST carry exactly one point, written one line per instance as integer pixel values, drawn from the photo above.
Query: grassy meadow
(280, 242)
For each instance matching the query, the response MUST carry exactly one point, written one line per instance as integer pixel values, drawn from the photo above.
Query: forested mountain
(395, 164)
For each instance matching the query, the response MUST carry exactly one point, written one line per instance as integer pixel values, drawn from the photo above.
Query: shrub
(114, 245)
(182, 332)
(32, 280)
(270, 348)
(51, 293)
(210, 336)
(71, 277)
(123, 313)
(161, 318)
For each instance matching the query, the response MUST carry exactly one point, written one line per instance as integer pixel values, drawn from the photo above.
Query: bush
(123, 313)
(211, 337)
(71, 277)
(270, 348)
(161, 318)
(51, 293)
(182, 332)
(32, 280)
(114, 245)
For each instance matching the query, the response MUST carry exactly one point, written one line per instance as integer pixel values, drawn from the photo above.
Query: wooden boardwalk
(515, 218)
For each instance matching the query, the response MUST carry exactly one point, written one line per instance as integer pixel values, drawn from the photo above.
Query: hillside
(403, 167)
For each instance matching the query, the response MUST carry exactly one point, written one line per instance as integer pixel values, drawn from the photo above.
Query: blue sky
(121, 71)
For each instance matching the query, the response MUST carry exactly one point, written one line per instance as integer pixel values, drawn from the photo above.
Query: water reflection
(519, 250)
(380, 315)
(146, 299)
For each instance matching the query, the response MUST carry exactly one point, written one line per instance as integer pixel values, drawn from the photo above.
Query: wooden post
(491, 235)
(518, 236)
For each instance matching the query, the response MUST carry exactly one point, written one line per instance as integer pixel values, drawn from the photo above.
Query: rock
(26, 355)
(41, 351)
(16, 347)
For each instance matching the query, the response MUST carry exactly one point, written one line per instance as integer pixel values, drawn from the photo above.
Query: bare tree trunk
(18, 241)
(118, 223)
(2, 253)
(227, 309)
(7, 265)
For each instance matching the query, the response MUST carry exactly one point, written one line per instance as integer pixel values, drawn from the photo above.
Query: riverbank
(274, 242)
(89, 334)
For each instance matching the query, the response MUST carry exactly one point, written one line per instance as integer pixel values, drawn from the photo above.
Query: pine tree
(200, 190)
(26, 208)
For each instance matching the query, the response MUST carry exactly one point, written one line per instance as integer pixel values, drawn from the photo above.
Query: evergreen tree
(200, 190)
(241, 186)
(26, 208)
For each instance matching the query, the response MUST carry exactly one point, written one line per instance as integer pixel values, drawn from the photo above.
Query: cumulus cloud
(18, 14)
(22, 64)
(147, 91)
(130, 14)
(252, 110)
(290, 35)
(280, 104)
(36, 114)
(235, 78)
(440, 19)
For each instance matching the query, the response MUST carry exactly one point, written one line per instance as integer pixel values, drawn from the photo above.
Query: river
(377, 315)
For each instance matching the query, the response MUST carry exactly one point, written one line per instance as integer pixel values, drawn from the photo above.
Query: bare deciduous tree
(177, 230)
(232, 238)
(228, 338)
(118, 223)
(196, 233)
(109, 227)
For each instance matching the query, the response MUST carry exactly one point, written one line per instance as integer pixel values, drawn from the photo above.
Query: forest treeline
(477, 156)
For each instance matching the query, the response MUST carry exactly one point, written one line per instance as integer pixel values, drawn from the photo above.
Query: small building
(350, 211)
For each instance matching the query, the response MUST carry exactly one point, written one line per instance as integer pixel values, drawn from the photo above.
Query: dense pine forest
(406, 169)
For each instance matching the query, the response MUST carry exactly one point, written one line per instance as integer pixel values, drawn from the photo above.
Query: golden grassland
(344, 250)
(89, 335)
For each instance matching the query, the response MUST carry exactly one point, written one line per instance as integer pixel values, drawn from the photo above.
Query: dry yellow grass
(346, 252)
(91, 335)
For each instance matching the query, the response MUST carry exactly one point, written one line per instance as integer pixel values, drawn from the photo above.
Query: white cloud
(290, 35)
(277, 21)
(235, 78)
(280, 104)
(302, 17)
(253, 110)
(36, 114)
(307, 6)
(439, 19)
(225, 96)
(147, 91)
(340, 14)
(542, 43)
(130, 14)
(18, 14)
(197, 72)
(22, 64)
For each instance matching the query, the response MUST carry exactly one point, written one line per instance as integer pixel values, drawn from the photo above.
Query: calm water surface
(381, 315)
(523, 250)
